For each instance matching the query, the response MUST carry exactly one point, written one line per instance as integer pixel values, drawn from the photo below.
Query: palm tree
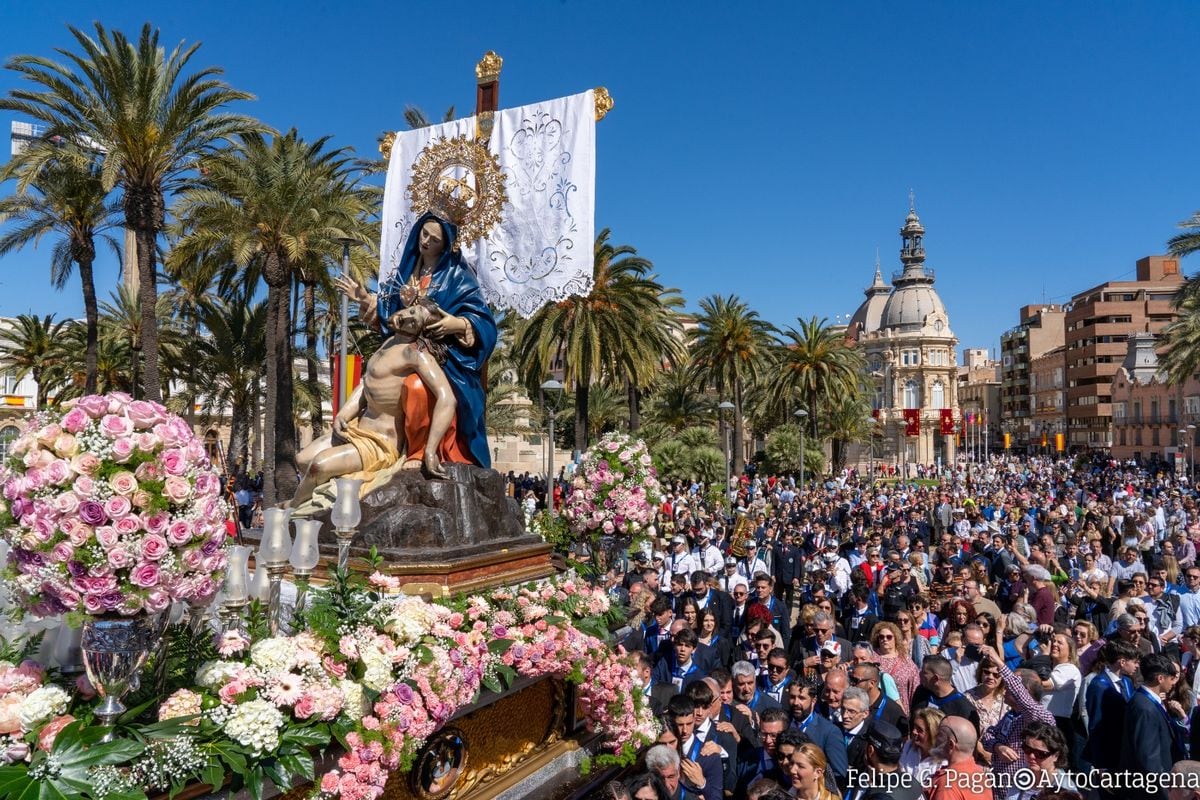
(280, 205)
(1185, 244)
(814, 366)
(846, 419)
(231, 355)
(675, 404)
(31, 345)
(113, 356)
(600, 337)
(121, 320)
(66, 200)
(1181, 358)
(730, 345)
(149, 122)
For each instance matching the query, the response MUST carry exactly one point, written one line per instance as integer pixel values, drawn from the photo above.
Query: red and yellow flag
(345, 379)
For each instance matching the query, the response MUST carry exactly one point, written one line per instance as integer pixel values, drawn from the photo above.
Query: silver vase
(114, 651)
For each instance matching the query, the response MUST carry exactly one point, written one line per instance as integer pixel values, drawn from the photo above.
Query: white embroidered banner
(543, 250)
(398, 216)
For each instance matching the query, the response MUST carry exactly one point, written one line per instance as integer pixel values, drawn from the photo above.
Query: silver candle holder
(345, 515)
(305, 556)
(273, 553)
(237, 587)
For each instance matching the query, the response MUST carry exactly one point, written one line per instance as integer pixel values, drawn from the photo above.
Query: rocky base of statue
(408, 516)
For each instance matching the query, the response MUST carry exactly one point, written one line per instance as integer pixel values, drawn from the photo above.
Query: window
(937, 397)
(1154, 436)
(912, 394)
(910, 357)
(8, 383)
(7, 435)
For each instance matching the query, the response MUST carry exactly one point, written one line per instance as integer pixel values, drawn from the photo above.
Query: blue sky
(762, 149)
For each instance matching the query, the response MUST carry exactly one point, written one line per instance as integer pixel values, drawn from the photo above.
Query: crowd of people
(1016, 629)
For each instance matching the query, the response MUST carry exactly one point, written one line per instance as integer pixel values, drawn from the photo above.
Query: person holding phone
(1062, 688)
(964, 661)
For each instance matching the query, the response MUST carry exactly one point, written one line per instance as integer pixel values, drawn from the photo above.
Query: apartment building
(1098, 323)
(1039, 331)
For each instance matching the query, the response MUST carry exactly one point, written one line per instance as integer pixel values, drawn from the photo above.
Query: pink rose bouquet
(110, 506)
(616, 489)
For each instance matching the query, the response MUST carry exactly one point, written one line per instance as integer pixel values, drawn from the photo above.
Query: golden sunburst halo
(459, 180)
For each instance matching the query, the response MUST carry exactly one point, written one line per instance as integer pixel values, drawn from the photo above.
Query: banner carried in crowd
(542, 250)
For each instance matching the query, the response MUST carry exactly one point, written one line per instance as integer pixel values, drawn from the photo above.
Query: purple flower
(111, 600)
(76, 568)
(92, 513)
(404, 693)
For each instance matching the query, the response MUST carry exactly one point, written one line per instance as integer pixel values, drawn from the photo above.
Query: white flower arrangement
(41, 705)
(255, 724)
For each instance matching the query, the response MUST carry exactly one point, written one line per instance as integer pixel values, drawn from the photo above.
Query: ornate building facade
(905, 336)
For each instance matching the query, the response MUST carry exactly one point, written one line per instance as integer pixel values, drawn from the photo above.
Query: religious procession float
(412, 639)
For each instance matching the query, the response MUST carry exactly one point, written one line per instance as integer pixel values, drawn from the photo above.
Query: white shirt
(710, 559)
(1060, 701)
(748, 567)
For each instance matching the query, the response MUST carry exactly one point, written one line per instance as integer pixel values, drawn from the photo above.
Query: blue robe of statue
(454, 287)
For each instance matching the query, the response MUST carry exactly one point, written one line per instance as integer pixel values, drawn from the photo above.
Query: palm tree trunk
(739, 458)
(634, 399)
(581, 416)
(310, 357)
(280, 450)
(92, 316)
(146, 210)
(239, 435)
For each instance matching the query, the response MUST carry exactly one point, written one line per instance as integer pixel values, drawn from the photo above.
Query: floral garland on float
(615, 493)
(111, 509)
(376, 672)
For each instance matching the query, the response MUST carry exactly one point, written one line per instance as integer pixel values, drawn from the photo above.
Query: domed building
(904, 333)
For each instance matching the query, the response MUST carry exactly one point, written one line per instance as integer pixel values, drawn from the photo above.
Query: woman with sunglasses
(885, 638)
(988, 697)
(1045, 752)
(991, 630)
(911, 642)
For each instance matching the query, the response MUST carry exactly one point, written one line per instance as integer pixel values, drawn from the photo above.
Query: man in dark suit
(681, 716)
(718, 601)
(778, 676)
(859, 620)
(780, 615)
(802, 702)
(679, 667)
(730, 718)
(788, 562)
(656, 632)
(805, 652)
(1105, 701)
(855, 705)
(1152, 742)
(867, 678)
(708, 710)
(746, 691)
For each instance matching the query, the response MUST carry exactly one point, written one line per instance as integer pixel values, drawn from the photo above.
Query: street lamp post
(555, 389)
(801, 415)
(721, 409)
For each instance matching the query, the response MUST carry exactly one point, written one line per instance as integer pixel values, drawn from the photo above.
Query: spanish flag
(345, 379)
